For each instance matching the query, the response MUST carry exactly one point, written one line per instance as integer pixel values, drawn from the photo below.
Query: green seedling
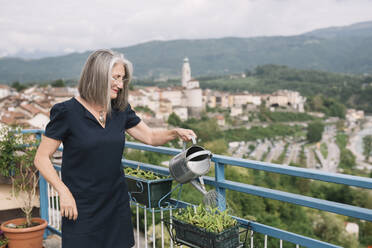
(210, 219)
(148, 175)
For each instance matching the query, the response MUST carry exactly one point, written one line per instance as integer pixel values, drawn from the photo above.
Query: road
(330, 163)
(310, 158)
(356, 144)
(275, 152)
(260, 150)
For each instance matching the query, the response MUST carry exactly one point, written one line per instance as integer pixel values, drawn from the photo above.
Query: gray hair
(94, 84)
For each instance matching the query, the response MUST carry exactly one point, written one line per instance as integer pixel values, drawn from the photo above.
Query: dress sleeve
(57, 128)
(132, 118)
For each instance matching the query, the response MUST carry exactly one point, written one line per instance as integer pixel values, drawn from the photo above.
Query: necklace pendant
(101, 117)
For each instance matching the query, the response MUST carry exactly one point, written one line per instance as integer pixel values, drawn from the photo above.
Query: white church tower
(186, 72)
(191, 90)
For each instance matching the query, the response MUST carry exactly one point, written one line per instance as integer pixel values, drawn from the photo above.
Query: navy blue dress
(91, 169)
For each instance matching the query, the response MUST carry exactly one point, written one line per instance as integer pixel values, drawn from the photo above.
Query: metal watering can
(190, 164)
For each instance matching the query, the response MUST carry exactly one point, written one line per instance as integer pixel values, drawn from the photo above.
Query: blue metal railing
(221, 184)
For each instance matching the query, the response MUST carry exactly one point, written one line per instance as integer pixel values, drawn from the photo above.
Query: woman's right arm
(42, 162)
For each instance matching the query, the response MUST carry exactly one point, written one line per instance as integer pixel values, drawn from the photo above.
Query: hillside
(342, 49)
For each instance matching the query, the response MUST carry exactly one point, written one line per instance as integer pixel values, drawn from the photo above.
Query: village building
(288, 99)
(220, 120)
(353, 116)
(5, 91)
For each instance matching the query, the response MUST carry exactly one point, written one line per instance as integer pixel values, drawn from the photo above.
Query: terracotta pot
(31, 237)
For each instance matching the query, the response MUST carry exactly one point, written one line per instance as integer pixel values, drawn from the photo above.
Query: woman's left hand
(185, 134)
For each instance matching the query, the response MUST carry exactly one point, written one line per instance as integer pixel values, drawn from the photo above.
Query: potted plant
(17, 163)
(3, 240)
(205, 227)
(148, 188)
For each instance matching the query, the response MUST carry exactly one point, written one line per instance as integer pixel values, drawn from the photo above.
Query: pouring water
(211, 198)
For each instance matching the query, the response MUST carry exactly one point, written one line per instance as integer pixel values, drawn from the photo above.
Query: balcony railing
(50, 207)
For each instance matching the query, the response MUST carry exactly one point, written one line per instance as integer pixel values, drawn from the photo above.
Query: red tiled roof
(3, 86)
(135, 93)
(32, 109)
(12, 118)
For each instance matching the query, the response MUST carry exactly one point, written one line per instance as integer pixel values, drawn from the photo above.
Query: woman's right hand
(68, 205)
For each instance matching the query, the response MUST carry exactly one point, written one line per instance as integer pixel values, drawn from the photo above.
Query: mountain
(337, 49)
(37, 54)
(361, 29)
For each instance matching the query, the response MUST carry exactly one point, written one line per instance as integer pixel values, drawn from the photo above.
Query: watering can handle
(193, 142)
(200, 153)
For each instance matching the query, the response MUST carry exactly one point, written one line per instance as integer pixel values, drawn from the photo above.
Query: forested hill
(343, 49)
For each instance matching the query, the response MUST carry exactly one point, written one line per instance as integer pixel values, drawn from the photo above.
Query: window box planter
(193, 236)
(152, 193)
(204, 227)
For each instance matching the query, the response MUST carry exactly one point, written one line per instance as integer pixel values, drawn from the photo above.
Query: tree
(367, 146)
(19, 87)
(340, 125)
(59, 83)
(314, 131)
(331, 229)
(347, 159)
(174, 120)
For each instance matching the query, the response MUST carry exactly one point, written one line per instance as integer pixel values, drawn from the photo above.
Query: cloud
(84, 25)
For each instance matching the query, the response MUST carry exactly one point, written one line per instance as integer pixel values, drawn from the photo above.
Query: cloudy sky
(50, 27)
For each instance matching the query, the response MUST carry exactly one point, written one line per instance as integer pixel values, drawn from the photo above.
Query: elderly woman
(93, 192)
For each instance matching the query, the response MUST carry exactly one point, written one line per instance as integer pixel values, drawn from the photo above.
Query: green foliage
(218, 146)
(144, 109)
(284, 116)
(340, 125)
(251, 147)
(148, 175)
(367, 146)
(314, 131)
(174, 120)
(17, 153)
(324, 150)
(216, 110)
(206, 129)
(3, 240)
(341, 140)
(302, 157)
(59, 83)
(347, 159)
(365, 232)
(258, 132)
(210, 219)
(326, 105)
(9, 145)
(331, 229)
(19, 87)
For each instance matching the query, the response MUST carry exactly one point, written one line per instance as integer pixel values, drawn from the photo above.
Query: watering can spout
(199, 186)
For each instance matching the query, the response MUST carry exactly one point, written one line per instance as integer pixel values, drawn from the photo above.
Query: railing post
(43, 197)
(44, 202)
(219, 171)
